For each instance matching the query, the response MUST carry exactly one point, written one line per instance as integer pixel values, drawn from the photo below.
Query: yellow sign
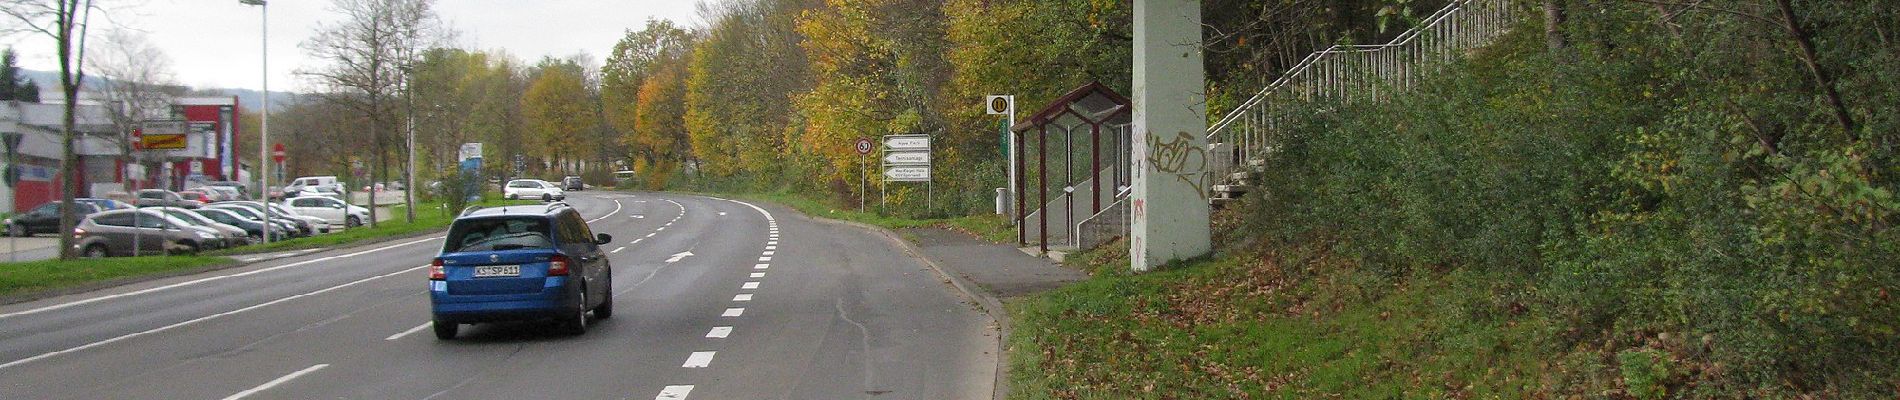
(167, 141)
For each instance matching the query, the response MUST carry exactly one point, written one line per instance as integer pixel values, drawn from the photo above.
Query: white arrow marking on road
(681, 256)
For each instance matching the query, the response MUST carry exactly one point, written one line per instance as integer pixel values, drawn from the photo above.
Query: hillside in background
(247, 98)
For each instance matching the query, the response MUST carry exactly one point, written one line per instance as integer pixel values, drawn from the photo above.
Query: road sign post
(864, 168)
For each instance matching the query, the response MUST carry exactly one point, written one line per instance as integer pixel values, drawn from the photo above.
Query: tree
(138, 85)
(64, 21)
(659, 126)
(558, 111)
(363, 56)
(634, 58)
(12, 85)
(736, 118)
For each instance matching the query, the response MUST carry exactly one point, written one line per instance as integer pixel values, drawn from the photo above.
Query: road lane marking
(773, 243)
(761, 266)
(742, 297)
(750, 285)
(609, 214)
(200, 319)
(208, 279)
(659, 229)
(675, 392)
(758, 274)
(418, 328)
(765, 258)
(699, 359)
(617, 250)
(275, 382)
(719, 332)
(651, 234)
(771, 247)
(733, 312)
(679, 256)
(722, 213)
(768, 252)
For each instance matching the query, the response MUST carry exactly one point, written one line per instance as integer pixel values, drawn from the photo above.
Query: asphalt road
(769, 304)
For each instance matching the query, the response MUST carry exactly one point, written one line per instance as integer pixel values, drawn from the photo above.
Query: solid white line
(207, 279)
(418, 328)
(699, 359)
(275, 382)
(733, 312)
(742, 297)
(750, 285)
(609, 214)
(761, 266)
(619, 249)
(720, 332)
(675, 392)
(200, 319)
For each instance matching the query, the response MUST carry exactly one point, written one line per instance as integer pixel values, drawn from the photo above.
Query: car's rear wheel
(510, 196)
(445, 330)
(606, 309)
(96, 251)
(576, 324)
(547, 197)
(352, 221)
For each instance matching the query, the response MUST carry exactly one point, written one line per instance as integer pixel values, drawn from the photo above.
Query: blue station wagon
(520, 263)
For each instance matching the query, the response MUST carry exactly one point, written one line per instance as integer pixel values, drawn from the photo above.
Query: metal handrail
(1361, 71)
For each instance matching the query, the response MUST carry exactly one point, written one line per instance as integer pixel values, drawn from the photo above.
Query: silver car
(136, 232)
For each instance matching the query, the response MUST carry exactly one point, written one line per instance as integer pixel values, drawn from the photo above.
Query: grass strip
(46, 275)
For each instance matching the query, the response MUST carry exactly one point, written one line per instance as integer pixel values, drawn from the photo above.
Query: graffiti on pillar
(1182, 159)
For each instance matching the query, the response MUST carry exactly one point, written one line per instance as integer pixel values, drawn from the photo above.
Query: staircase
(1345, 73)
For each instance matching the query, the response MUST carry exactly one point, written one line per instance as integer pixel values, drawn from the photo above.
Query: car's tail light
(435, 270)
(557, 265)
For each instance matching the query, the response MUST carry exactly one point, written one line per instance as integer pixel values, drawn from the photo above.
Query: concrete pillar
(1169, 209)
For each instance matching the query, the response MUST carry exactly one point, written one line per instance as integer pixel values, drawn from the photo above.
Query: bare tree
(139, 85)
(363, 58)
(64, 21)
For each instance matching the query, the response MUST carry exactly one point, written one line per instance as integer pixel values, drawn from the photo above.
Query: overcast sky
(214, 43)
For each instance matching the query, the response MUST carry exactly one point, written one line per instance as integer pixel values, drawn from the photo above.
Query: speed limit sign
(864, 146)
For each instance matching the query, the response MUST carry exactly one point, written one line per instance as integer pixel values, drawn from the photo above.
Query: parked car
(137, 232)
(242, 189)
(228, 236)
(197, 195)
(288, 227)
(319, 183)
(104, 204)
(532, 189)
(44, 218)
(308, 224)
(520, 263)
(223, 193)
(573, 183)
(165, 198)
(253, 228)
(331, 210)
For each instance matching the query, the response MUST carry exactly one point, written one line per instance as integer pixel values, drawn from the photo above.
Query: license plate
(489, 271)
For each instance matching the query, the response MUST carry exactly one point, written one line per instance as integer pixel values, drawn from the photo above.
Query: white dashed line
(765, 258)
(742, 297)
(767, 253)
(275, 382)
(750, 285)
(761, 266)
(675, 392)
(699, 359)
(418, 328)
(651, 234)
(758, 274)
(720, 332)
(733, 312)
(619, 249)
(771, 247)
(659, 229)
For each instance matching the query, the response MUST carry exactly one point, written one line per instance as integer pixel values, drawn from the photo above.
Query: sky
(215, 43)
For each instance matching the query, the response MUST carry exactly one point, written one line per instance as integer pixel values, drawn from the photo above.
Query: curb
(988, 302)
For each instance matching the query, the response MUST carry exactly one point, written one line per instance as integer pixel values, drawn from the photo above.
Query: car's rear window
(491, 234)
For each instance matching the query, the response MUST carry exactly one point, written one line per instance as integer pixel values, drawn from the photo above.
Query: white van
(316, 184)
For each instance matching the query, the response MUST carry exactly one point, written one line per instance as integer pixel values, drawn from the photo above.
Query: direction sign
(166, 141)
(907, 142)
(915, 173)
(907, 158)
(864, 146)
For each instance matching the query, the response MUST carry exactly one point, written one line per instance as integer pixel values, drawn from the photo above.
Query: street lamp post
(263, 141)
(409, 172)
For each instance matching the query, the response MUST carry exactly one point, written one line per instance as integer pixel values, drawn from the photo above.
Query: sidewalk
(990, 273)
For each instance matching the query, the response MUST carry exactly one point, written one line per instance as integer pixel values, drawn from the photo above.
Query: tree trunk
(1822, 78)
(1553, 28)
